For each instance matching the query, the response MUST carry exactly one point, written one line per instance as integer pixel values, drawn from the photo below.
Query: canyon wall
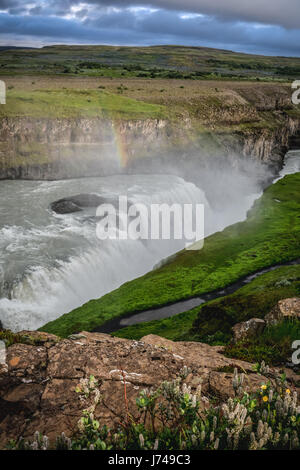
(257, 127)
(59, 148)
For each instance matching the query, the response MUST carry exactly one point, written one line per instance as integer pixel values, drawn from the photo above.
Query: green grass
(77, 103)
(212, 321)
(274, 346)
(270, 235)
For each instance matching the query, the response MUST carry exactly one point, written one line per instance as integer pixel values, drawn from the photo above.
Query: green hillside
(147, 62)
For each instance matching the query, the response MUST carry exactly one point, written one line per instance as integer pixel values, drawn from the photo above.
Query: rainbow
(121, 146)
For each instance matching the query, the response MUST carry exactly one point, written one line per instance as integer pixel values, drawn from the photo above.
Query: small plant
(283, 283)
(174, 417)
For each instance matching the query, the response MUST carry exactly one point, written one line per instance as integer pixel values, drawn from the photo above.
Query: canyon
(217, 142)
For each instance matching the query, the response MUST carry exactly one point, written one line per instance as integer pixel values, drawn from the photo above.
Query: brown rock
(14, 361)
(38, 337)
(286, 308)
(37, 392)
(248, 329)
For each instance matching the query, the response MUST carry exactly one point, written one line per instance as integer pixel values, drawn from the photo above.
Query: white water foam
(46, 291)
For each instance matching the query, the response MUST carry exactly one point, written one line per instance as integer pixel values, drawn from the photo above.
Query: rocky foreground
(38, 381)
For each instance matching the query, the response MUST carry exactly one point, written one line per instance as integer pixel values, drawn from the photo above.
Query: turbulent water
(50, 264)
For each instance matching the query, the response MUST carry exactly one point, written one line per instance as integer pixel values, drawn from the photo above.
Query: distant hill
(5, 48)
(146, 62)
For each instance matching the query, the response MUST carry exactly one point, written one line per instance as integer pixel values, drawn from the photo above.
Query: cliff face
(233, 125)
(269, 146)
(60, 148)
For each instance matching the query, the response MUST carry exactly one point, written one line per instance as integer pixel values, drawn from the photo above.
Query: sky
(252, 26)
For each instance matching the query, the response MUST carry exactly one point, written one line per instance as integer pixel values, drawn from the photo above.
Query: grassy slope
(228, 107)
(271, 234)
(211, 322)
(155, 62)
(76, 103)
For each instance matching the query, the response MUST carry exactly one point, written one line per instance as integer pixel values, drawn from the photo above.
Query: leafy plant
(173, 417)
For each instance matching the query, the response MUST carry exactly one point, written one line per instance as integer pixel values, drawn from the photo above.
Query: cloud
(284, 13)
(230, 26)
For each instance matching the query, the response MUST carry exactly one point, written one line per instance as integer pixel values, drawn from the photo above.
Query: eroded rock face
(59, 144)
(284, 309)
(37, 384)
(248, 329)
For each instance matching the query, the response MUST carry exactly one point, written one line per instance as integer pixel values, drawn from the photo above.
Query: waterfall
(45, 292)
(51, 264)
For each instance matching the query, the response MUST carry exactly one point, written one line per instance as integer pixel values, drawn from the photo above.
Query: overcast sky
(255, 26)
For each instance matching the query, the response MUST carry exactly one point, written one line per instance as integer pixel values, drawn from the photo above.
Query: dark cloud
(285, 13)
(230, 26)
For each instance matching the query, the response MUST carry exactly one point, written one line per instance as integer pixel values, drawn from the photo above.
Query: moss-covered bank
(212, 321)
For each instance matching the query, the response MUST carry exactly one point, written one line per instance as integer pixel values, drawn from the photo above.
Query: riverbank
(212, 322)
(133, 325)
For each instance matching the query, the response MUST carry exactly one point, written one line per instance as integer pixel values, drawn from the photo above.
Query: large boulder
(248, 329)
(64, 206)
(76, 203)
(284, 309)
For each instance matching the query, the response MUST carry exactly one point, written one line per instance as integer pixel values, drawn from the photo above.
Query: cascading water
(51, 264)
